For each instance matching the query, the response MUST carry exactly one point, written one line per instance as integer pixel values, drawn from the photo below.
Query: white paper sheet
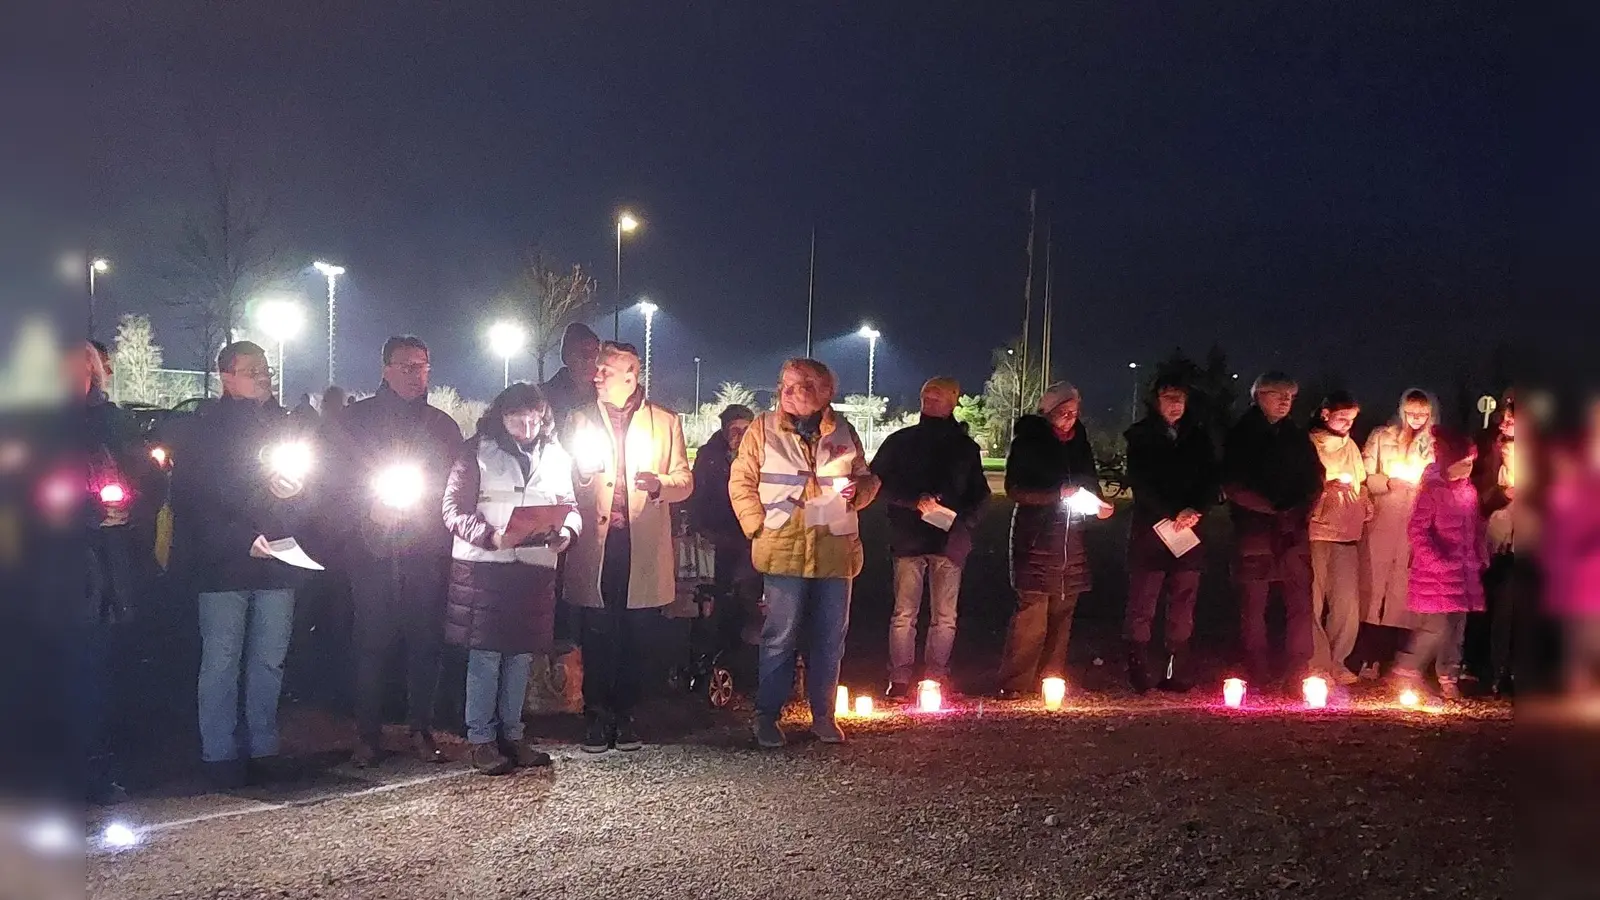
(1085, 503)
(1178, 540)
(288, 551)
(940, 517)
(826, 510)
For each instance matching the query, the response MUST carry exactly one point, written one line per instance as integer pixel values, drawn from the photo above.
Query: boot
(488, 759)
(1172, 680)
(1139, 666)
(422, 744)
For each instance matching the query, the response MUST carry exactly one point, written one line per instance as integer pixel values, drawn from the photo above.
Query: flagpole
(811, 290)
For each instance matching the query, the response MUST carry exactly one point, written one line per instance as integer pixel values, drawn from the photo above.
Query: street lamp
(1134, 414)
(505, 341)
(281, 320)
(97, 266)
(626, 224)
(872, 335)
(332, 273)
(649, 310)
(698, 418)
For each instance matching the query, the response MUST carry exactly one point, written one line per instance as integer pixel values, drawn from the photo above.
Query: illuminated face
(1508, 424)
(1276, 400)
(251, 379)
(735, 433)
(523, 425)
(801, 393)
(1417, 415)
(1064, 418)
(938, 403)
(407, 372)
(616, 376)
(1172, 403)
(1340, 421)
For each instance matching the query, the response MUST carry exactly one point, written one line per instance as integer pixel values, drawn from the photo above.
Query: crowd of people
(556, 515)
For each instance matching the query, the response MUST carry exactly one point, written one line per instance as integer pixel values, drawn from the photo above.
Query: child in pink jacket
(1449, 552)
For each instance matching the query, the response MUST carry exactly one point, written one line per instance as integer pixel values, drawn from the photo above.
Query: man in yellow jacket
(797, 485)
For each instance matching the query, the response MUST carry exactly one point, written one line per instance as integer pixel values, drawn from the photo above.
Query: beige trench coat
(1393, 474)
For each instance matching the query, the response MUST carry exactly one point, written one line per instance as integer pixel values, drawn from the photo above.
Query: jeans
(613, 637)
(397, 602)
(822, 606)
(242, 633)
(944, 582)
(497, 685)
(1037, 639)
(1335, 603)
(1436, 639)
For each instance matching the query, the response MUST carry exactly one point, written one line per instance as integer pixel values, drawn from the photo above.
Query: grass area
(994, 464)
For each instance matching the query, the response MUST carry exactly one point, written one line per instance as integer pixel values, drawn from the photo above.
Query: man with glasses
(228, 502)
(395, 453)
(1271, 477)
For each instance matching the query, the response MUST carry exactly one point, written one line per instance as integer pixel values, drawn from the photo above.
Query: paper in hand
(940, 517)
(1178, 540)
(826, 510)
(287, 550)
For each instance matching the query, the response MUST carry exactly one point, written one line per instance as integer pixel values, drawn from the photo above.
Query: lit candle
(863, 705)
(841, 701)
(928, 696)
(1055, 691)
(1346, 478)
(1316, 692)
(1410, 699)
(1233, 693)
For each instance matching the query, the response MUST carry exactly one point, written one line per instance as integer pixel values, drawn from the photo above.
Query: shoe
(366, 755)
(1139, 667)
(107, 793)
(488, 759)
(897, 690)
(1172, 680)
(423, 746)
(1344, 677)
(267, 770)
(625, 737)
(827, 731)
(1505, 686)
(1369, 672)
(525, 754)
(1449, 690)
(1007, 695)
(224, 776)
(769, 734)
(597, 734)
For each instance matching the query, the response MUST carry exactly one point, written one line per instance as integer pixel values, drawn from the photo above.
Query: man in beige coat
(630, 467)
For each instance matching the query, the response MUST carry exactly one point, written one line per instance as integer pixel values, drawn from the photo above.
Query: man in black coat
(1172, 468)
(1271, 477)
(930, 465)
(711, 516)
(395, 451)
(1052, 477)
(239, 481)
(573, 386)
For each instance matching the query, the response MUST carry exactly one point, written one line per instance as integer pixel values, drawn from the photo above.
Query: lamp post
(1134, 409)
(649, 310)
(872, 335)
(281, 320)
(97, 266)
(332, 273)
(505, 341)
(626, 224)
(697, 415)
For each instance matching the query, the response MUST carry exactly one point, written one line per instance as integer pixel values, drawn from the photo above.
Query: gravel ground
(1114, 798)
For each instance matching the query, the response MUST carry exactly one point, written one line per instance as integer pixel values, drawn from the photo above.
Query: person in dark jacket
(573, 386)
(930, 465)
(711, 516)
(396, 452)
(502, 597)
(1172, 468)
(239, 474)
(1508, 582)
(1049, 466)
(1271, 477)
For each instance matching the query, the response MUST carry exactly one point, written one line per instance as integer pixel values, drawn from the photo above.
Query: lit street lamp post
(332, 273)
(1133, 415)
(505, 341)
(97, 266)
(281, 320)
(872, 335)
(649, 310)
(626, 224)
(697, 390)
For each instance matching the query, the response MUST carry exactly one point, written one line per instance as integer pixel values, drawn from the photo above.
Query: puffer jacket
(1448, 548)
(1047, 548)
(1345, 505)
(781, 544)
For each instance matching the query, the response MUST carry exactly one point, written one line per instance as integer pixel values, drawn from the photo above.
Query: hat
(1055, 395)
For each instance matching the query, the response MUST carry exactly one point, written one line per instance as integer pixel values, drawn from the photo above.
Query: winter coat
(113, 454)
(1448, 551)
(382, 431)
(654, 443)
(710, 511)
(776, 473)
(1271, 475)
(221, 500)
(1169, 473)
(1393, 474)
(933, 457)
(1344, 507)
(1047, 549)
(502, 600)
(1494, 475)
(567, 394)
(1571, 547)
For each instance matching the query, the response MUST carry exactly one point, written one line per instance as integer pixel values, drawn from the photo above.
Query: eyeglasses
(265, 372)
(414, 368)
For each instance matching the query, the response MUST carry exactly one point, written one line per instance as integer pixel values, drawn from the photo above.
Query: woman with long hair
(502, 596)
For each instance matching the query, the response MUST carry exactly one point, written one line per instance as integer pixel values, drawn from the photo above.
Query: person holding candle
(1337, 521)
(1395, 457)
(1506, 581)
(797, 486)
(1271, 477)
(1050, 473)
(1448, 557)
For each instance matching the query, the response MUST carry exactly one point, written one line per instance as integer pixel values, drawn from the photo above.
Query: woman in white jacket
(501, 604)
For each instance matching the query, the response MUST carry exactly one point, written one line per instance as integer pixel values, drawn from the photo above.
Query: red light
(112, 494)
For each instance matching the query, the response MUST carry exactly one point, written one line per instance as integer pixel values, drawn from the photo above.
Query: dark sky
(1319, 187)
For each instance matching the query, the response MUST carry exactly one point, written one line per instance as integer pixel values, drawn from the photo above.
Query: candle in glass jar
(929, 698)
(1055, 691)
(863, 705)
(1233, 693)
(1316, 692)
(841, 701)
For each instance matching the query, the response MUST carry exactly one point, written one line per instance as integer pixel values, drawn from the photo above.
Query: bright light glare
(1084, 503)
(281, 320)
(119, 835)
(626, 222)
(52, 836)
(506, 339)
(291, 460)
(1233, 692)
(1133, 365)
(328, 269)
(589, 448)
(399, 486)
(1316, 692)
(1410, 699)
(113, 494)
(870, 333)
(101, 265)
(648, 308)
(159, 454)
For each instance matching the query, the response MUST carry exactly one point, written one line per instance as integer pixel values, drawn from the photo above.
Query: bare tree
(137, 359)
(553, 298)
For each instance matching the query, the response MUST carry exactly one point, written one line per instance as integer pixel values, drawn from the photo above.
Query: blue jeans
(242, 633)
(497, 684)
(944, 581)
(822, 606)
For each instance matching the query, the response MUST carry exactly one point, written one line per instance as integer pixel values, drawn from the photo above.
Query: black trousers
(613, 637)
(397, 602)
(1254, 577)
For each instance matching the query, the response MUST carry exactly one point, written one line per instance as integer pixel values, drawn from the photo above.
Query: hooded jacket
(1345, 506)
(1448, 550)
(937, 458)
(1047, 549)
(710, 511)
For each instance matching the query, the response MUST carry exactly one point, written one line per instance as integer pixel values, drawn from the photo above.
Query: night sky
(1319, 187)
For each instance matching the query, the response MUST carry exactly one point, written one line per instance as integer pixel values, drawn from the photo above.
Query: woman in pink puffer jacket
(1449, 551)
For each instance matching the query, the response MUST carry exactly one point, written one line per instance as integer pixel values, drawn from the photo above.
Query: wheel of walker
(720, 689)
